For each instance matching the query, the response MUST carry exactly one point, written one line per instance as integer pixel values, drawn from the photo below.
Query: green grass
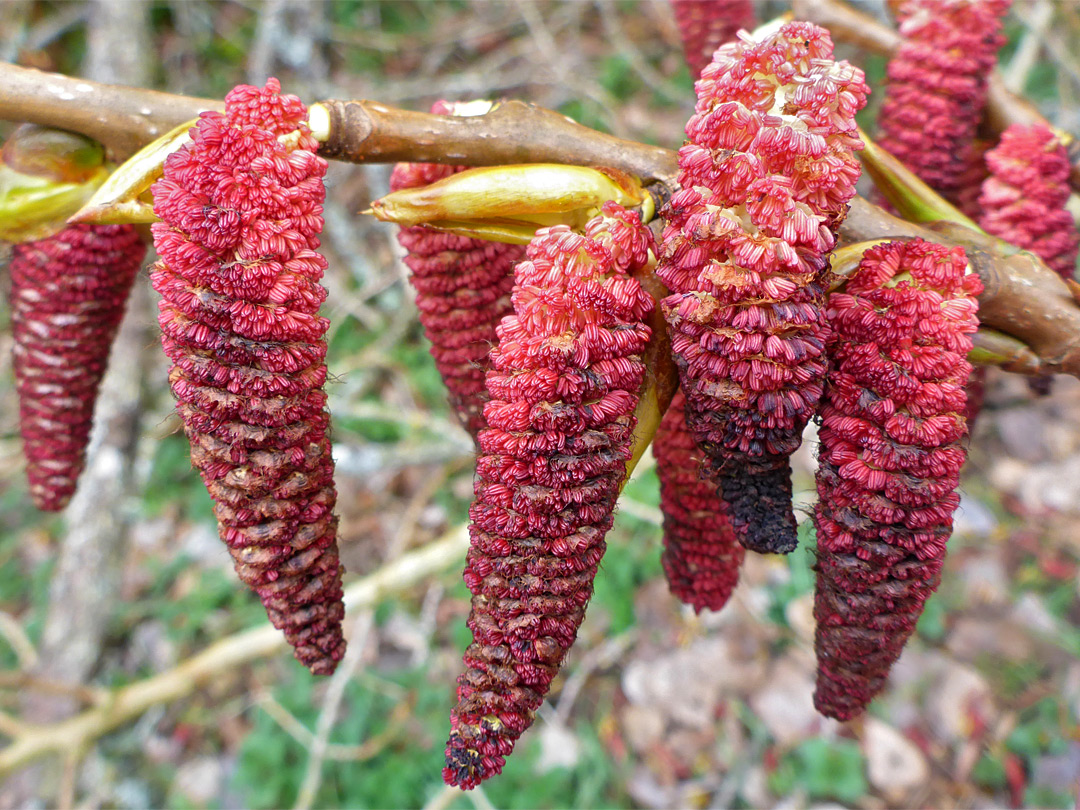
(826, 770)
(405, 771)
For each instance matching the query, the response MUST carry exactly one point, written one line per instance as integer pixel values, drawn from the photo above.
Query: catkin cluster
(701, 556)
(564, 384)
(241, 211)
(705, 25)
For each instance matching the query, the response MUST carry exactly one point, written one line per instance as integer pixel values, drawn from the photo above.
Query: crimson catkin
(241, 211)
(701, 553)
(766, 176)
(462, 292)
(937, 90)
(67, 299)
(705, 25)
(1023, 200)
(565, 380)
(891, 449)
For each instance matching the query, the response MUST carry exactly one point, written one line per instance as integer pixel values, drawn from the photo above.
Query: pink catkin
(892, 428)
(701, 553)
(67, 299)
(937, 91)
(462, 292)
(1023, 200)
(239, 275)
(766, 177)
(565, 379)
(705, 25)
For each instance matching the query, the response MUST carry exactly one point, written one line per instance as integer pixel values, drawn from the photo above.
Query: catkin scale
(892, 427)
(241, 211)
(67, 299)
(564, 383)
(766, 177)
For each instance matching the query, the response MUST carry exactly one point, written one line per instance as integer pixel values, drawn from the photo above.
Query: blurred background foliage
(656, 707)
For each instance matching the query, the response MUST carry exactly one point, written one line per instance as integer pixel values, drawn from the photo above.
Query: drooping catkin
(241, 211)
(705, 25)
(565, 380)
(1023, 201)
(892, 430)
(462, 292)
(68, 293)
(766, 177)
(701, 556)
(936, 92)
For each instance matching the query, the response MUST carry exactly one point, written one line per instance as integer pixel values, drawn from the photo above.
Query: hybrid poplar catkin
(892, 430)
(565, 379)
(67, 299)
(462, 292)
(705, 25)
(701, 556)
(936, 90)
(766, 177)
(1023, 200)
(241, 211)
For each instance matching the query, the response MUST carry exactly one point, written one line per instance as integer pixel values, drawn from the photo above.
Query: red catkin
(705, 25)
(892, 428)
(1023, 200)
(241, 211)
(936, 90)
(565, 379)
(701, 554)
(462, 292)
(766, 177)
(67, 299)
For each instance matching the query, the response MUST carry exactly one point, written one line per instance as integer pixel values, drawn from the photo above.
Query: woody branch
(1023, 298)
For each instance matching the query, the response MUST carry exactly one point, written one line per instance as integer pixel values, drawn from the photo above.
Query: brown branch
(1003, 107)
(1023, 298)
(513, 132)
(124, 119)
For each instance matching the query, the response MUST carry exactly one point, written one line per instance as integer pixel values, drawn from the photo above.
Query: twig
(335, 692)
(9, 726)
(123, 118)
(65, 798)
(24, 681)
(444, 798)
(32, 742)
(513, 132)
(336, 752)
(1015, 74)
(17, 639)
